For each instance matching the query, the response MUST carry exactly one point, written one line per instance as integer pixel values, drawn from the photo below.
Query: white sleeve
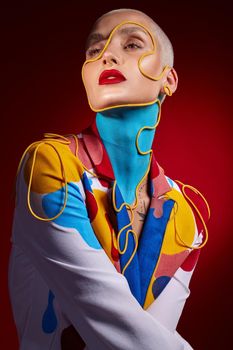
(95, 298)
(168, 307)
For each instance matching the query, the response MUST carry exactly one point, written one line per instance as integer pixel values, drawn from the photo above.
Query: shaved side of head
(164, 42)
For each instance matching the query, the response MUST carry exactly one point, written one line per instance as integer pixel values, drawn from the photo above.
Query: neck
(118, 129)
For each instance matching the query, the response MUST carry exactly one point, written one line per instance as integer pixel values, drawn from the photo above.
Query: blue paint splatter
(49, 320)
(74, 215)
(159, 284)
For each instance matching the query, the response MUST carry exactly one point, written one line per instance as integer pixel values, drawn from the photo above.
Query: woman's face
(114, 78)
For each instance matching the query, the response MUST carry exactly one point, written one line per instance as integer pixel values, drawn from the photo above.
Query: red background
(42, 49)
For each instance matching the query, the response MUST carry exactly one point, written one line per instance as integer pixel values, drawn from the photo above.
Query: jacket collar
(103, 167)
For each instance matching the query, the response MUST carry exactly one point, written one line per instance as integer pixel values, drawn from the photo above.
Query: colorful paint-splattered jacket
(65, 276)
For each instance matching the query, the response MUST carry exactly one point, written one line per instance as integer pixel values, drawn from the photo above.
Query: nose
(110, 58)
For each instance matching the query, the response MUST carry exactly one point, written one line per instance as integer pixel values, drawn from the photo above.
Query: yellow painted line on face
(139, 66)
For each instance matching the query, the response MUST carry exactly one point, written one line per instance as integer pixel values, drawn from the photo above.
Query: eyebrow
(97, 37)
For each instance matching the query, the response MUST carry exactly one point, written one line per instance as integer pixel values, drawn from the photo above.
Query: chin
(113, 101)
(107, 103)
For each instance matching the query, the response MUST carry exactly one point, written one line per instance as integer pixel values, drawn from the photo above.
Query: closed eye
(93, 52)
(133, 46)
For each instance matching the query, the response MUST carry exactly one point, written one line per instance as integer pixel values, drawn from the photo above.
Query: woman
(104, 244)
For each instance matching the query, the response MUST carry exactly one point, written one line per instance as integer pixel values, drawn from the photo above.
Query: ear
(171, 81)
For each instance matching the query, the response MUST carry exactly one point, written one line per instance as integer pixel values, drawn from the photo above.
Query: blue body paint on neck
(118, 128)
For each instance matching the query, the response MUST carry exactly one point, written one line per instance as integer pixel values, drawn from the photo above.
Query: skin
(123, 53)
(141, 209)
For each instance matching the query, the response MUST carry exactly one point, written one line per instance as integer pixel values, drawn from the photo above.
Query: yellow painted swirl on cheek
(139, 66)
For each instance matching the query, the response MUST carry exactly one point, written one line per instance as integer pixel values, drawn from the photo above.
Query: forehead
(103, 26)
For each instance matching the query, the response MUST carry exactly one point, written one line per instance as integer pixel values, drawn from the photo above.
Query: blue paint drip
(49, 320)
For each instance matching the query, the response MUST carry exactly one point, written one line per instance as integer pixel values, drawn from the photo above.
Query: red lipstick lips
(111, 76)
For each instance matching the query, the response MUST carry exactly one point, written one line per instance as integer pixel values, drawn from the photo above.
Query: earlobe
(167, 90)
(171, 82)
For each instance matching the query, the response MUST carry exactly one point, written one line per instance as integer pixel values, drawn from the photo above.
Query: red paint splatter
(92, 207)
(191, 260)
(168, 264)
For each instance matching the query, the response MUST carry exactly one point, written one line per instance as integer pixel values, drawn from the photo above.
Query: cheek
(151, 65)
(89, 74)
(140, 84)
(145, 89)
(89, 79)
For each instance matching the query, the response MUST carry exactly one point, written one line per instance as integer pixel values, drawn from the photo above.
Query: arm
(168, 307)
(93, 295)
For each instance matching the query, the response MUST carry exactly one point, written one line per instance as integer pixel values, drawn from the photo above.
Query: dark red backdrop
(42, 49)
